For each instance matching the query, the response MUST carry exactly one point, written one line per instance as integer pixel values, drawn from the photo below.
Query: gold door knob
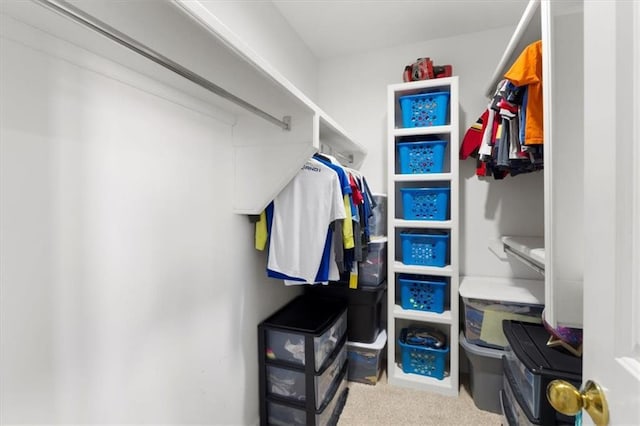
(568, 400)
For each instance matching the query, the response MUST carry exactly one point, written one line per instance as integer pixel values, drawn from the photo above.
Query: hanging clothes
(345, 185)
(309, 203)
(302, 213)
(527, 71)
(508, 138)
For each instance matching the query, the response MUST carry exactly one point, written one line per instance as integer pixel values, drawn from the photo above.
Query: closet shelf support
(69, 11)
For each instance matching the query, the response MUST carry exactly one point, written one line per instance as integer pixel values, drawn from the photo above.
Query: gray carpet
(382, 404)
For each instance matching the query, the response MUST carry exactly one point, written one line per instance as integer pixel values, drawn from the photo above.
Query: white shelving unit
(398, 317)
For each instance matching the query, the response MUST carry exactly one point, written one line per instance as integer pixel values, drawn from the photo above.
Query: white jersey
(302, 213)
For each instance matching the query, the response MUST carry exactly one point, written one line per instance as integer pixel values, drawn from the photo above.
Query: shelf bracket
(286, 121)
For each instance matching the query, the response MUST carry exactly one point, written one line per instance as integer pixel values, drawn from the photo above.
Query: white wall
(130, 291)
(353, 91)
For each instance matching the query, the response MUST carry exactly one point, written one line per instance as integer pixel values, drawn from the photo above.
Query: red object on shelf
(423, 69)
(442, 71)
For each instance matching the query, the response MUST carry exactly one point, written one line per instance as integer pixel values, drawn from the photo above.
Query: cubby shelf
(421, 131)
(423, 177)
(439, 224)
(400, 267)
(443, 318)
(447, 386)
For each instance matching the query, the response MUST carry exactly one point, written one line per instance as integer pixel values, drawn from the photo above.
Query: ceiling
(342, 27)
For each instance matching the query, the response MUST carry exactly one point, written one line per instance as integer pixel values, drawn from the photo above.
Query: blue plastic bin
(425, 203)
(421, 294)
(422, 360)
(424, 109)
(421, 157)
(424, 249)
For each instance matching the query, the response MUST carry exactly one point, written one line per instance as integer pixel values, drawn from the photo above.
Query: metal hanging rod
(524, 260)
(324, 149)
(70, 11)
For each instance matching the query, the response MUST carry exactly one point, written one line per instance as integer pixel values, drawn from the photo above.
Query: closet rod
(69, 11)
(346, 157)
(524, 260)
(521, 30)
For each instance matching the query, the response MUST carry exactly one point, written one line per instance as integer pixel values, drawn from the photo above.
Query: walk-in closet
(319, 212)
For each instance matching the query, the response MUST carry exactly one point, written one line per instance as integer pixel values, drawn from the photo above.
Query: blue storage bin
(424, 109)
(424, 249)
(421, 157)
(422, 360)
(422, 295)
(425, 203)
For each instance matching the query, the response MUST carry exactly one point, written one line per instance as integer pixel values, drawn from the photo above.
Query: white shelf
(398, 317)
(447, 386)
(421, 131)
(431, 177)
(511, 290)
(444, 271)
(408, 314)
(422, 224)
(414, 87)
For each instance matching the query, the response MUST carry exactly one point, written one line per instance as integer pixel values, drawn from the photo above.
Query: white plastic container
(365, 359)
(489, 300)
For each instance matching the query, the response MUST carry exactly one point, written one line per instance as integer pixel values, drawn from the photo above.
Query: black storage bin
(302, 360)
(529, 366)
(364, 315)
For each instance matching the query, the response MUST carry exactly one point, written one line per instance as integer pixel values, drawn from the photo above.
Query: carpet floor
(391, 405)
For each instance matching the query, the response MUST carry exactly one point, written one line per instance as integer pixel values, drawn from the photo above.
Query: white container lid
(378, 344)
(514, 290)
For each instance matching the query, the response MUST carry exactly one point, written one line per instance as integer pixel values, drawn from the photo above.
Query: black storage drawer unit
(365, 307)
(529, 366)
(302, 357)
